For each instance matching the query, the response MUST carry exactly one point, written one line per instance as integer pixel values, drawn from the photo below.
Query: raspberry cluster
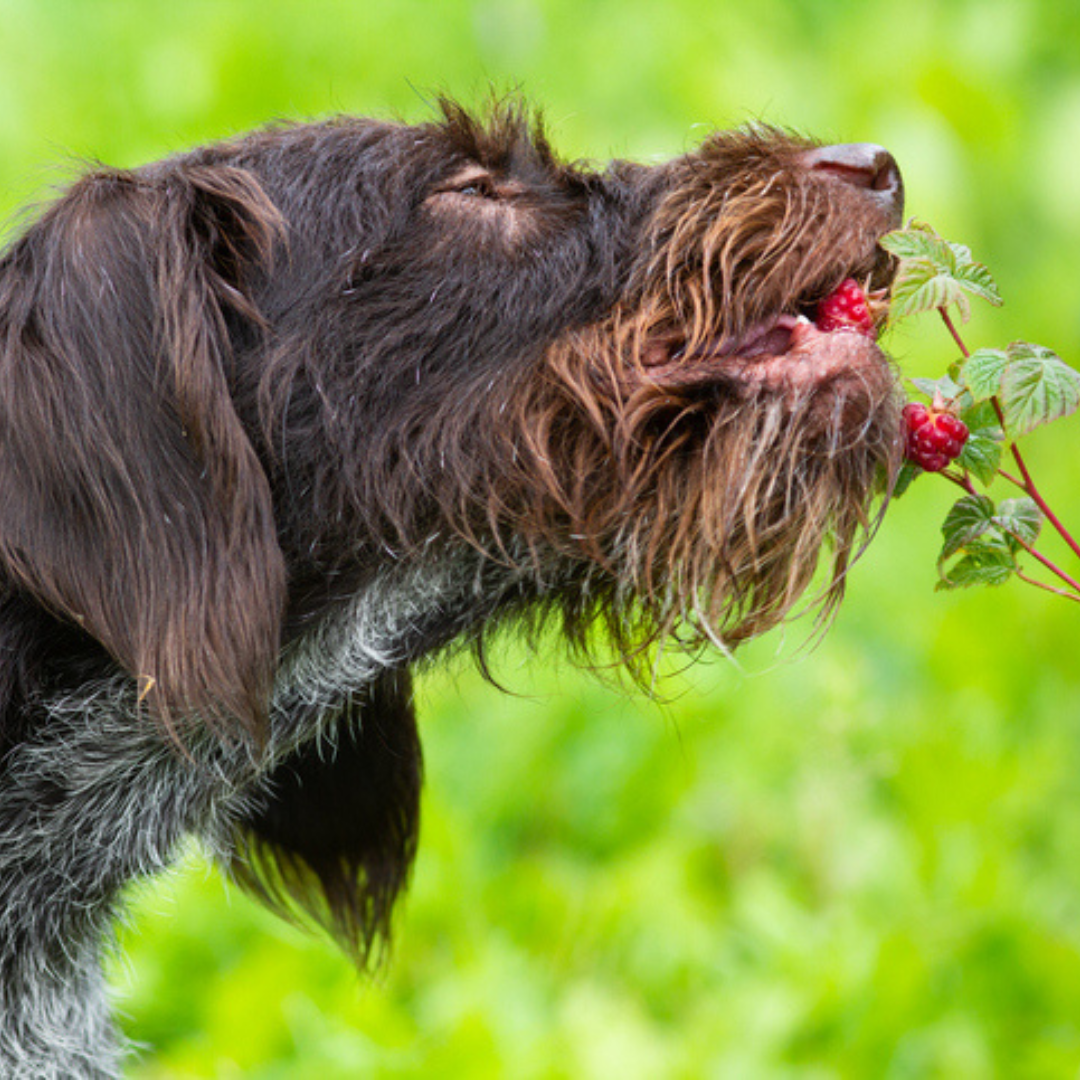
(845, 309)
(933, 437)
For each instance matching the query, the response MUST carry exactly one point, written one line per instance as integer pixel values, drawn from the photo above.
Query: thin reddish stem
(943, 312)
(1049, 588)
(1051, 566)
(1028, 484)
(965, 483)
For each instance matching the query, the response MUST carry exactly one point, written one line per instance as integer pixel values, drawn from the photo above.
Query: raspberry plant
(999, 396)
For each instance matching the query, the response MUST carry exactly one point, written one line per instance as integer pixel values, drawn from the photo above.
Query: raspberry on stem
(933, 437)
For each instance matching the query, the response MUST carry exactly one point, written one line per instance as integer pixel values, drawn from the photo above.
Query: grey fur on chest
(99, 826)
(402, 616)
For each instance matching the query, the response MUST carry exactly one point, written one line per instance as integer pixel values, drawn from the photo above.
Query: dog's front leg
(97, 799)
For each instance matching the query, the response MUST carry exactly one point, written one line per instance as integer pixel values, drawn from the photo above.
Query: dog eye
(482, 187)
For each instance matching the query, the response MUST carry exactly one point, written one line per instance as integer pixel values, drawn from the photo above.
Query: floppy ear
(131, 499)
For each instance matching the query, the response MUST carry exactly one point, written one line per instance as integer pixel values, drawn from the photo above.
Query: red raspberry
(915, 415)
(933, 438)
(846, 309)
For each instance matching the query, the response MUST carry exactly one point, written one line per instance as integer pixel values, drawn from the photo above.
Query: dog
(286, 415)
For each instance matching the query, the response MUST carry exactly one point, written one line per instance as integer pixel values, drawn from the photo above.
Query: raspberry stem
(961, 480)
(1049, 588)
(1028, 484)
(943, 312)
(1051, 566)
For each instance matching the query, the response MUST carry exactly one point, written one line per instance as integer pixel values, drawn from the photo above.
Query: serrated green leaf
(961, 252)
(1037, 387)
(981, 455)
(1020, 517)
(922, 286)
(982, 372)
(969, 519)
(934, 273)
(916, 241)
(982, 418)
(976, 278)
(982, 564)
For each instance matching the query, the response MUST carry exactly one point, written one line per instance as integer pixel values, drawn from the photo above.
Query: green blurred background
(861, 861)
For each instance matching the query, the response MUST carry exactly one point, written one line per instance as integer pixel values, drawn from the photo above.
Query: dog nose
(866, 166)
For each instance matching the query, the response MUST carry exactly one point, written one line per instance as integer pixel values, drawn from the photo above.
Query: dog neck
(403, 614)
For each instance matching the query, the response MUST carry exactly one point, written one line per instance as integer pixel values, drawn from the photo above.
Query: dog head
(234, 383)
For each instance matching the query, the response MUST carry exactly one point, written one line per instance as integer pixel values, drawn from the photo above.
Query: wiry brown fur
(126, 286)
(284, 416)
(717, 516)
(707, 506)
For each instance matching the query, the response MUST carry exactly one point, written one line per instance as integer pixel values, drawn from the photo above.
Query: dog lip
(783, 349)
(771, 338)
(815, 358)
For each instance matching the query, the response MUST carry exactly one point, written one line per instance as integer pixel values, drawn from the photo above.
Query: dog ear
(131, 499)
(333, 835)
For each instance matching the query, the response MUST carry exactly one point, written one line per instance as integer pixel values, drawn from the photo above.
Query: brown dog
(283, 416)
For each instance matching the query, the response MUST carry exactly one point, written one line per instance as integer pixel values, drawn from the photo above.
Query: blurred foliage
(859, 862)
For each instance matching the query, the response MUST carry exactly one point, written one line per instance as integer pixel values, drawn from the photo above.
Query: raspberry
(933, 438)
(846, 309)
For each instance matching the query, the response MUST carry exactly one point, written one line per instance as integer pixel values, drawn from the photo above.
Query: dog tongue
(845, 308)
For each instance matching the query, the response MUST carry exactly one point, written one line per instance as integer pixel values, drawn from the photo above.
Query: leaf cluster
(935, 273)
(1000, 394)
(983, 540)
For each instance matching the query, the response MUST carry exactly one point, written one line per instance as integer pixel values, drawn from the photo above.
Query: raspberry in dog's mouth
(816, 342)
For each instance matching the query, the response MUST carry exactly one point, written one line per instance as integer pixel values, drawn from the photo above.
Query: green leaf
(921, 286)
(908, 472)
(983, 419)
(946, 386)
(969, 518)
(1037, 387)
(934, 273)
(983, 564)
(916, 240)
(972, 529)
(1020, 517)
(982, 373)
(981, 455)
(976, 279)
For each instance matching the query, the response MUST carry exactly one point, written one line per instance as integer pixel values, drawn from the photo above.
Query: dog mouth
(825, 335)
